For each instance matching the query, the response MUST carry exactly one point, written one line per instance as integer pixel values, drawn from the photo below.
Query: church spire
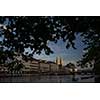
(59, 61)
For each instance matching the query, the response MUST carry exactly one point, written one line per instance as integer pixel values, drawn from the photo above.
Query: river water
(49, 79)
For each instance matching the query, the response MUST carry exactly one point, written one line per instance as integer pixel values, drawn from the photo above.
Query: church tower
(59, 61)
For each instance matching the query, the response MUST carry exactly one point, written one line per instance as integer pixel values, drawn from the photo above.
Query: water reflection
(50, 79)
(75, 78)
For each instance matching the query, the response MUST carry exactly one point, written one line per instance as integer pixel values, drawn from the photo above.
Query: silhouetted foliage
(14, 66)
(70, 65)
(22, 32)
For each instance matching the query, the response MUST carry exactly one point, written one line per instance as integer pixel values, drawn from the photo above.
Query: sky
(68, 55)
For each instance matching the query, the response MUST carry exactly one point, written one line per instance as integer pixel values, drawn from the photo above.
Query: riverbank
(41, 74)
(49, 79)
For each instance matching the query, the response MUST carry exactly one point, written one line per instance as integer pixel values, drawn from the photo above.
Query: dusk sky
(68, 55)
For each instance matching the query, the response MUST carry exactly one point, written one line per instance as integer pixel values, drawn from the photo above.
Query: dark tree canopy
(22, 32)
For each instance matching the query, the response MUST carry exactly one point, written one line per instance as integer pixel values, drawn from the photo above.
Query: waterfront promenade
(49, 79)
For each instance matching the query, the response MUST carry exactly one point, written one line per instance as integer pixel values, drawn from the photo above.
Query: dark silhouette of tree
(91, 39)
(70, 65)
(14, 67)
(22, 32)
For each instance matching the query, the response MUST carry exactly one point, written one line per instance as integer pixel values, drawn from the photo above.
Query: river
(49, 79)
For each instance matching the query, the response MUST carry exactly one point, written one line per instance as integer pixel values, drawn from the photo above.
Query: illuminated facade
(59, 61)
